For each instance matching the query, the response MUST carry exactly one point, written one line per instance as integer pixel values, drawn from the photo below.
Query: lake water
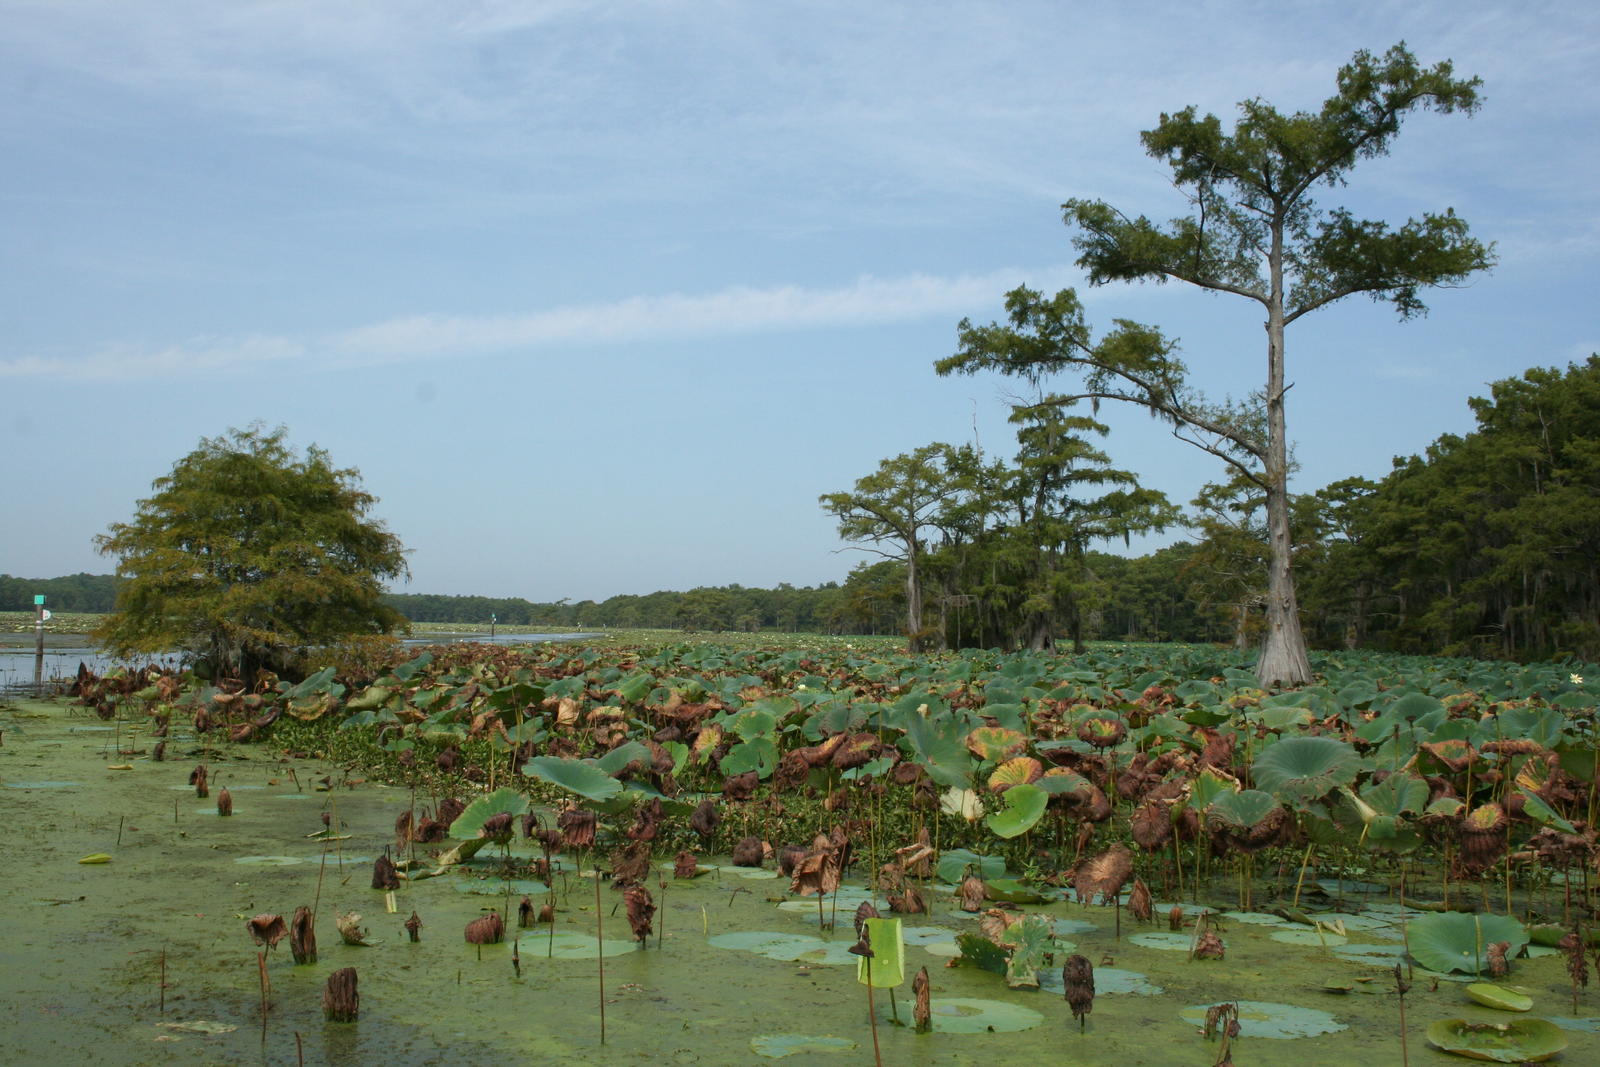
(63, 653)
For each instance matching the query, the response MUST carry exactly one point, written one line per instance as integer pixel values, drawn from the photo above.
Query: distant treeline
(92, 593)
(730, 607)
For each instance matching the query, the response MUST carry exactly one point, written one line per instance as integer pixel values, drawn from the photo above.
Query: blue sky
(599, 297)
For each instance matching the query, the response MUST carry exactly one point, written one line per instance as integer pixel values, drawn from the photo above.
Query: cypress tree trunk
(1283, 656)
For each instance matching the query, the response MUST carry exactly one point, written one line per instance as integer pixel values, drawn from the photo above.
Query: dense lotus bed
(1129, 807)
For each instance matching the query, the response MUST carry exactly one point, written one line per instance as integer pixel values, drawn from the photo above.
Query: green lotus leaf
(759, 755)
(1504, 998)
(575, 776)
(1243, 809)
(1414, 706)
(614, 761)
(1208, 786)
(1299, 769)
(502, 801)
(1514, 1041)
(1012, 891)
(888, 964)
(1457, 941)
(995, 743)
(953, 864)
(1269, 1019)
(1025, 806)
(970, 1015)
(1537, 810)
(1398, 794)
(777, 1046)
(941, 749)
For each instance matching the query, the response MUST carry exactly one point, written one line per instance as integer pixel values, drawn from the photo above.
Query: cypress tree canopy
(247, 554)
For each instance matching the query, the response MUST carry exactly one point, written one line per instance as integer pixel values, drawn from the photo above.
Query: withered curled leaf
(641, 909)
(488, 930)
(1077, 980)
(266, 929)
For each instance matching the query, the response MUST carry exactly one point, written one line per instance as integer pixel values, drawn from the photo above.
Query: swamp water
(742, 974)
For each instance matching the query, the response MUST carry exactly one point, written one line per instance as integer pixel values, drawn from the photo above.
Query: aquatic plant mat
(146, 957)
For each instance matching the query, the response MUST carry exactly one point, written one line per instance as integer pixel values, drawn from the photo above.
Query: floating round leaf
(1504, 998)
(1515, 1041)
(1259, 1018)
(969, 1015)
(777, 1046)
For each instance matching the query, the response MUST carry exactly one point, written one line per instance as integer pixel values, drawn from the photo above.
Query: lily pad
(1504, 998)
(1254, 918)
(1299, 935)
(927, 935)
(1164, 940)
(1515, 1041)
(269, 861)
(1590, 1025)
(490, 887)
(1261, 1018)
(1014, 891)
(199, 1026)
(1334, 887)
(971, 1015)
(96, 857)
(777, 1046)
(848, 898)
(1108, 981)
(582, 947)
(797, 948)
(1371, 955)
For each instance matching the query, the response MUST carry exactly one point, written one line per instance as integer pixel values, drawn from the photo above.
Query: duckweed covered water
(736, 978)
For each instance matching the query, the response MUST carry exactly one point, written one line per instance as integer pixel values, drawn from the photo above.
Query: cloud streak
(869, 301)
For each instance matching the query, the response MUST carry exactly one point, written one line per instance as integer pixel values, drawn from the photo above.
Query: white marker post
(38, 642)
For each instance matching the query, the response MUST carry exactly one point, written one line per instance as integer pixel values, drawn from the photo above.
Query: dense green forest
(1487, 544)
(92, 593)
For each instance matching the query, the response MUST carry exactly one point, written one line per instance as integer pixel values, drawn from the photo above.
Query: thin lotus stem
(162, 985)
(600, 956)
(872, 1017)
(323, 866)
(1400, 988)
(261, 967)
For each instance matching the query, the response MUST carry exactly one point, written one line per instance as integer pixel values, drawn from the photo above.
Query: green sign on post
(38, 600)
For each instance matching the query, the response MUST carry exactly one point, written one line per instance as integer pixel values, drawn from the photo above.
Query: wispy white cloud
(868, 301)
